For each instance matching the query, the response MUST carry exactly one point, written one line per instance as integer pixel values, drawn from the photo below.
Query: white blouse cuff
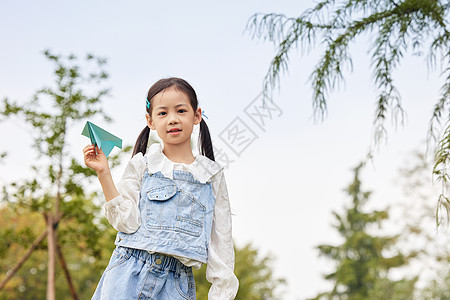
(224, 283)
(121, 215)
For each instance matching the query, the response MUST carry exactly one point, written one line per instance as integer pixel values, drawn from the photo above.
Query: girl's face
(173, 117)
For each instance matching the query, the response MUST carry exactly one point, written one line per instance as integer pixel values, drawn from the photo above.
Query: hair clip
(203, 114)
(148, 103)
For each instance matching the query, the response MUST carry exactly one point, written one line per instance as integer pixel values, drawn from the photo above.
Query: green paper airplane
(102, 138)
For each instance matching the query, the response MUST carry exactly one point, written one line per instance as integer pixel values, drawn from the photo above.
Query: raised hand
(95, 159)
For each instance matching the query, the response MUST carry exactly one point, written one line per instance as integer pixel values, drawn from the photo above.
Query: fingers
(89, 149)
(91, 152)
(99, 150)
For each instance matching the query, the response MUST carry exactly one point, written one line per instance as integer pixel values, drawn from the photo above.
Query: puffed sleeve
(122, 212)
(220, 267)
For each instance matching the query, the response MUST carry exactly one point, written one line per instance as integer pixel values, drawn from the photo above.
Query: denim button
(158, 261)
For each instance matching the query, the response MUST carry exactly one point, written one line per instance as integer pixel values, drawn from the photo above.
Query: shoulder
(207, 170)
(134, 170)
(137, 163)
(137, 159)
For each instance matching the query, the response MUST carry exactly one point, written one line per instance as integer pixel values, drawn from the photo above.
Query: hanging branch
(396, 28)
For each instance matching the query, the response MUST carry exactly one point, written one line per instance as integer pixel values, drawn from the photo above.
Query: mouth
(174, 131)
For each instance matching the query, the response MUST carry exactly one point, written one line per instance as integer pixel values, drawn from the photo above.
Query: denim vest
(176, 216)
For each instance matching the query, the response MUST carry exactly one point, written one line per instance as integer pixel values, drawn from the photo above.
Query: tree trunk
(51, 258)
(66, 272)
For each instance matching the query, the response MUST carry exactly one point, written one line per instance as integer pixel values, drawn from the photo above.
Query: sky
(290, 176)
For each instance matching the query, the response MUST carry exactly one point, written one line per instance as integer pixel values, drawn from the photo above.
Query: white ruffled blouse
(124, 215)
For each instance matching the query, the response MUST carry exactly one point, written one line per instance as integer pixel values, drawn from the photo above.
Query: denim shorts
(138, 274)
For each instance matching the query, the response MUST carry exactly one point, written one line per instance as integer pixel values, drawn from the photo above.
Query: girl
(171, 209)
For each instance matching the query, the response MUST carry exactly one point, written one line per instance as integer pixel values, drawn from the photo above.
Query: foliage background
(296, 169)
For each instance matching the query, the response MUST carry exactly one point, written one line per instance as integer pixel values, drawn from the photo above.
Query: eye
(182, 110)
(161, 113)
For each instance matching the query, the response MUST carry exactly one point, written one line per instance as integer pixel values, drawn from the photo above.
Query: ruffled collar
(202, 168)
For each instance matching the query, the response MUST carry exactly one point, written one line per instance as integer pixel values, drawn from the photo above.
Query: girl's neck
(179, 153)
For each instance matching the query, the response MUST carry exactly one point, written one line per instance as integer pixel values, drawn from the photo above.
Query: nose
(173, 118)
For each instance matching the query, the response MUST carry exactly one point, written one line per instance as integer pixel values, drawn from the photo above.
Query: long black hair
(181, 85)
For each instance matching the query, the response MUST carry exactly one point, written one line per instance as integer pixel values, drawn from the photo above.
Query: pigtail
(142, 142)
(206, 147)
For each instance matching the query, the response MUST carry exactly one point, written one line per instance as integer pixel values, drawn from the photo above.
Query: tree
(56, 189)
(397, 27)
(256, 279)
(362, 260)
(419, 235)
(29, 282)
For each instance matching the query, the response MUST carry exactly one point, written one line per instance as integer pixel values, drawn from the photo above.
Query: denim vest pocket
(191, 214)
(162, 208)
(162, 193)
